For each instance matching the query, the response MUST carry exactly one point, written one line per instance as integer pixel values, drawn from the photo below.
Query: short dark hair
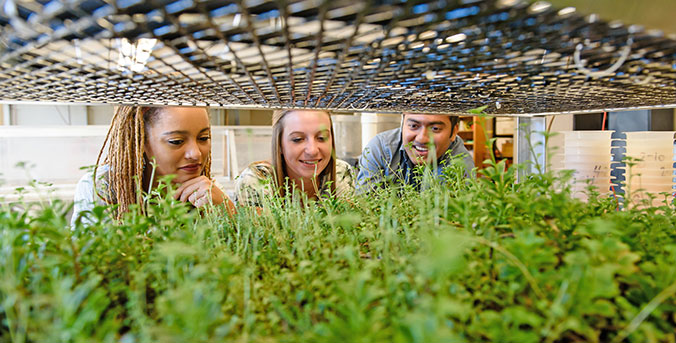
(454, 120)
(451, 118)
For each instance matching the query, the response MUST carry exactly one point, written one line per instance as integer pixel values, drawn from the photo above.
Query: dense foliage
(462, 261)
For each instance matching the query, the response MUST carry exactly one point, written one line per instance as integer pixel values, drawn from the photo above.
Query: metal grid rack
(517, 57)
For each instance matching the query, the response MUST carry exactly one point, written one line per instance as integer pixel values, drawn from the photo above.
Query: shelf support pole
(530, 146)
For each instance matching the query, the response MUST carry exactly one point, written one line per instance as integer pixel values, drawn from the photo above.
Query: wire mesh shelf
(516, 57)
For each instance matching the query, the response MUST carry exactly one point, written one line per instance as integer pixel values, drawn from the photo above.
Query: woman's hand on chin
(200, 191)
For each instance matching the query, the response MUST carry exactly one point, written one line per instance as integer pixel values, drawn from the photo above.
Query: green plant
(462, 260)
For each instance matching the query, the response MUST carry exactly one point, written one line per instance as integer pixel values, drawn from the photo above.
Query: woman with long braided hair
(144, 144)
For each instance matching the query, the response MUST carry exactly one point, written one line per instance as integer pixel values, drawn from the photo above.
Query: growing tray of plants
(463, 260)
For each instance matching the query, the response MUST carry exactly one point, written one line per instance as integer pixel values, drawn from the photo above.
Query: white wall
(100, 114)
(562, 122)
(47, 115)
(55, 115)
(58, 115)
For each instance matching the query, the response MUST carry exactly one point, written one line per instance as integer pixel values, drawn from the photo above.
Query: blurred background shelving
(475, 130)
(473, 136)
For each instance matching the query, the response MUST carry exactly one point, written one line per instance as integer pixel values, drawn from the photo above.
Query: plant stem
(517, 263)
(645, 312)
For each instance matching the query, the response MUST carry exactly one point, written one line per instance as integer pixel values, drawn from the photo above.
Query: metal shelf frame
(516, 57)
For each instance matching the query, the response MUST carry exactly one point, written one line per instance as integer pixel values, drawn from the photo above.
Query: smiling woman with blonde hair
(303, 159)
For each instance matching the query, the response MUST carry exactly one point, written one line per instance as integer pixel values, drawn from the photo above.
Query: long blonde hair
(278, 163)
(126, 155)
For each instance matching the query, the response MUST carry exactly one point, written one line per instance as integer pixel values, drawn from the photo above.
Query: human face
(180, 142)
(421, 131)
(306, 143)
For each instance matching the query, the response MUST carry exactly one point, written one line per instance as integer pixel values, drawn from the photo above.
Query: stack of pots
(649, 171)
(588, 154)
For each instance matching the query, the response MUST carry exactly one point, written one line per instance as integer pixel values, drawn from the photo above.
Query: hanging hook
(623, 57)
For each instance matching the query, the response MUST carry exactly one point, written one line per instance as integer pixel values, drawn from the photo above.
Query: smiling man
(422, 139)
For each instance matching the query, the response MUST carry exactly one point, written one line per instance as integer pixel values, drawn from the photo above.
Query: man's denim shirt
(384, 157)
